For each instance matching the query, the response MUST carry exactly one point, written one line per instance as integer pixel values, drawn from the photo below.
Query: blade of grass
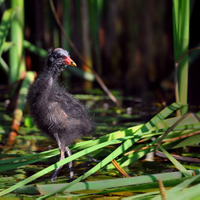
(5, 26)
(142, 151)
(175, 162)
(136, 183)
(37, 50)
(16, 53)
(95, 10)
(188, 141)
(111, 136)
(1, 1)
(27, 162)
(4, 66)
(181, 186)
(93, 185)
(7, 46)
(173, 126)
(170, 193)
(175, 11)
(140, 196)
(181, 17)
(31, 157)
(126, 160)
(188, 193)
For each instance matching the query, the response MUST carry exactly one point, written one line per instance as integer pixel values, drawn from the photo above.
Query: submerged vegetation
(139, 150)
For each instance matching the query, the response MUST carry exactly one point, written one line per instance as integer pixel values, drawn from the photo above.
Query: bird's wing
(71, 106)
(57, 115)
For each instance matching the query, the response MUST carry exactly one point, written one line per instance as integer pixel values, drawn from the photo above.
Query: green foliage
(28, 122)
(16, 53)
(94, 19)
(125, 138)
(4, 28)
(181, 18)
(176, 163)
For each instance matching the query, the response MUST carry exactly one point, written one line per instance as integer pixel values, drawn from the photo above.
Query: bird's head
(58, 58)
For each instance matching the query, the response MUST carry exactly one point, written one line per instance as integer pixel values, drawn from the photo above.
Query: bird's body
(55, 111)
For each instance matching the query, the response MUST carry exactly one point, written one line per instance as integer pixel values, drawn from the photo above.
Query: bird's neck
(48, 80)
(52, 71)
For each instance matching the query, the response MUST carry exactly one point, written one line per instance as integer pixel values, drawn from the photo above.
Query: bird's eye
(59, 55)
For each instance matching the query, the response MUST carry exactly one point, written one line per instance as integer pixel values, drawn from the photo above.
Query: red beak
(69, 61)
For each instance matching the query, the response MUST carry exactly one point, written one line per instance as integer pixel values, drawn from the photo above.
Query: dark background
(135, 39)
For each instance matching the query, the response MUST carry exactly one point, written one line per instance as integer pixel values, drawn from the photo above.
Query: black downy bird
(56, 112)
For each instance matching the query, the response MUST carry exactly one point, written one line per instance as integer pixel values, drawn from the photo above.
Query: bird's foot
(71, 176)
(53, 179)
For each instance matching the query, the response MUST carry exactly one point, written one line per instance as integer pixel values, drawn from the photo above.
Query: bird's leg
(71, 173)
(62, 156)
(57, 170)
(92, 159)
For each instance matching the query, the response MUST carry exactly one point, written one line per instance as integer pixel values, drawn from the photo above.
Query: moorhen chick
(56, 112)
